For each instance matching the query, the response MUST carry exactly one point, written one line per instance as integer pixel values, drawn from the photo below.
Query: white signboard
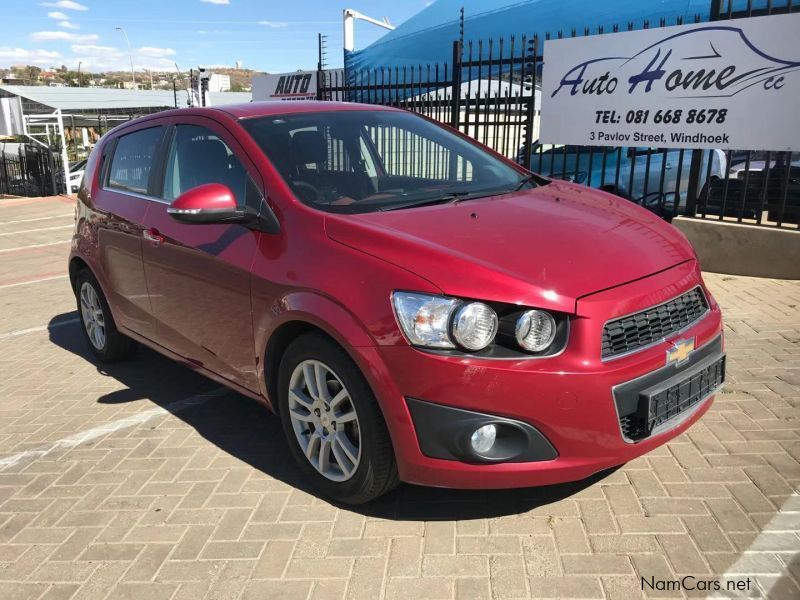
(298, 85)
(728, 84)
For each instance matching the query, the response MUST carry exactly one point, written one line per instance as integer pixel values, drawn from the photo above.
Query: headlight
(503, 330)
(474, 326)
(425, 319)
(535, 330)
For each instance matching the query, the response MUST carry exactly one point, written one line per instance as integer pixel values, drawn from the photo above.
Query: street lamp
(130, 54)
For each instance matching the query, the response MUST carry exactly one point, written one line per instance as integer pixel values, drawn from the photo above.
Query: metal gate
(31, 170)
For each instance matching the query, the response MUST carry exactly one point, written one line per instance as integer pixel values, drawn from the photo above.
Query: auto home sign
(729, 84)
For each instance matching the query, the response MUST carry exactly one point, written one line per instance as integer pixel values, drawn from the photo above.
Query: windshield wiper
(524, 181)
(450, 197)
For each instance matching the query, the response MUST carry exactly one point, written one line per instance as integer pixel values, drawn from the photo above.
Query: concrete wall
(737, 249)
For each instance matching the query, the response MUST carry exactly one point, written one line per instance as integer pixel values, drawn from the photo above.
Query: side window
(133, 160)
(198, 156)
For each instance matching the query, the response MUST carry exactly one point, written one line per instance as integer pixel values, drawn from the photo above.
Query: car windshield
(365, 161)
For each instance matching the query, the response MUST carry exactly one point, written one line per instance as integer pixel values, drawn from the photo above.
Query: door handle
(152, 236)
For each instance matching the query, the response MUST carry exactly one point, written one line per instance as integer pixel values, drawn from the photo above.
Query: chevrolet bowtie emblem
(680, 351)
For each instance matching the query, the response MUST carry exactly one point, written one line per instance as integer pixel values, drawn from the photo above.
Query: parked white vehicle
(76, 175)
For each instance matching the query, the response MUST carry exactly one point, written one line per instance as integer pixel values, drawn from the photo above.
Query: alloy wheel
(324, 420)
(93, 317)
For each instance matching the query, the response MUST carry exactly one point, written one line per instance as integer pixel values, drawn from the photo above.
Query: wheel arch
(294, 314)
(76, 265)
(276, 347)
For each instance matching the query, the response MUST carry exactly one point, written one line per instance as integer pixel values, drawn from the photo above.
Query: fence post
(23, 170)
(51, 163)
(319, 66)
(531, 107)
(455, 106)
(5, 181)
(696, 165)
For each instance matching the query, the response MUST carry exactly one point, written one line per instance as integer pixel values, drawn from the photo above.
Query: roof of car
(277, 107)
(259, 109)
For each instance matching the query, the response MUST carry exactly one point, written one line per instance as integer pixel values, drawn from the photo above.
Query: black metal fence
(490, 90)
(31, 171)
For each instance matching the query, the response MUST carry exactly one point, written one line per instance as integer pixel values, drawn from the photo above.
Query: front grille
(657, 408)
(630, 333)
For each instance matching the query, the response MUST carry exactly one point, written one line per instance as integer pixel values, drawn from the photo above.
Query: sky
(265, 35)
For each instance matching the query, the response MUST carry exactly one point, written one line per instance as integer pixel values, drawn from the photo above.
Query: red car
(414, 306)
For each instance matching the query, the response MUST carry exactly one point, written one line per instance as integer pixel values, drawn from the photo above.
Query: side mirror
(209, 203)
(215, 203)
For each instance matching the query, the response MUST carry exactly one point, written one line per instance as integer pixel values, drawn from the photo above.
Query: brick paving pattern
(165, 486)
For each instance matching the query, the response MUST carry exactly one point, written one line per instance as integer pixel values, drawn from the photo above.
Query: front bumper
(569, 399)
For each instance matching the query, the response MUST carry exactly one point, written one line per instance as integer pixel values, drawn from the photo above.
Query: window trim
(156, 186)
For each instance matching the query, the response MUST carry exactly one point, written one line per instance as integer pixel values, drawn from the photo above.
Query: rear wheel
(332, 422)
(97, 323)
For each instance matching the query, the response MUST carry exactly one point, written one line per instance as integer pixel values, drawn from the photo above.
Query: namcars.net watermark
(690, 583)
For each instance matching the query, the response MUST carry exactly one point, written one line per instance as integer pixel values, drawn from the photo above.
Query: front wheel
(97, 323)
(332, 422)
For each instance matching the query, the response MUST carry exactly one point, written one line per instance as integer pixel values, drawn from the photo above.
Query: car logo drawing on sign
(680, 351)
(718, 61)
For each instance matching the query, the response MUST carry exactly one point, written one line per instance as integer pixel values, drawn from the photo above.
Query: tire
(333, 446)
(98, 326)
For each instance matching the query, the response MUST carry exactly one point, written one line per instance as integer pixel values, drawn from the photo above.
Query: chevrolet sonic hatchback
(412, 305)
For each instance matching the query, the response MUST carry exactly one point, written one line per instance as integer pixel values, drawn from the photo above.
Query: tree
(33, 72)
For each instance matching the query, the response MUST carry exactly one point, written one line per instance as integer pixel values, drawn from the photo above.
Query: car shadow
(245, 429)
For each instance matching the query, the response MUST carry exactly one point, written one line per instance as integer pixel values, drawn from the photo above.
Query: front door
(198, 275)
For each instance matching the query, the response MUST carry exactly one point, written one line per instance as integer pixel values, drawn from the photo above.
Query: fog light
(483, 439)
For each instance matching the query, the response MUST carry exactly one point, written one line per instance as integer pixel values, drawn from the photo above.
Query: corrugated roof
(81, 99)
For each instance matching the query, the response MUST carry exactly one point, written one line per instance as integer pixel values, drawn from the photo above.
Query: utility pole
(130, 54)
(79, 72)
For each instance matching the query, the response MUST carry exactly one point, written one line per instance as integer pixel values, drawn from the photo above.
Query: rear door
(125, 192)
(198, 275)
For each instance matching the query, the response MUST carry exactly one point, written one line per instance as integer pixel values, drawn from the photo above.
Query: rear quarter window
(133, 160)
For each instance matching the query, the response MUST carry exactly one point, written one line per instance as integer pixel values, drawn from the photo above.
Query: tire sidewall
(363, 401)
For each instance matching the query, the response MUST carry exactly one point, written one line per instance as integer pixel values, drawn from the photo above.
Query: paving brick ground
(162, 485)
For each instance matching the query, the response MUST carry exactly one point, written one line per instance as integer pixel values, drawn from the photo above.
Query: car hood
(543, 247)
